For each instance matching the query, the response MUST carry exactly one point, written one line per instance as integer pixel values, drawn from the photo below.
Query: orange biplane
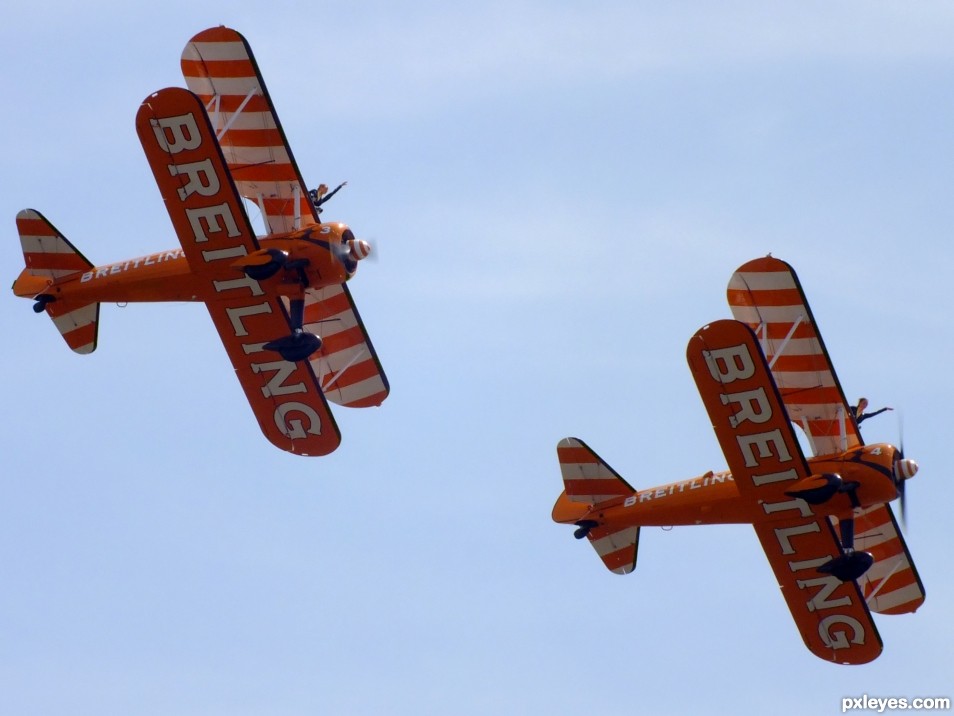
(824, 523)
(209, 146)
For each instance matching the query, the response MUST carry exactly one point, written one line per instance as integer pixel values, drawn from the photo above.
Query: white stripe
(75, 319)
(795, 347)
(888, 600)
(251, 120)
(334, 324)
(890, 565)
(804, 379)
(761, 281)
(349, 358)
(874, 537)
(202, 86)
(769, 314)
(615, 541)
(45, 244)
(226, 86)
(239, 155)
(585, 471)
(353, 393)
(213, 51)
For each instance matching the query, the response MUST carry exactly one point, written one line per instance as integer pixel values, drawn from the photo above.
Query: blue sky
(559, 193)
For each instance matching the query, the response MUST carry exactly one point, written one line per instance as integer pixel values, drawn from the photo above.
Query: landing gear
(849, 565)
(583, 528)
(300, 344)
(41, 301)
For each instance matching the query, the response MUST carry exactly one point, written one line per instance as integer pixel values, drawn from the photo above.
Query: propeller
(904, 470)
(351, 250)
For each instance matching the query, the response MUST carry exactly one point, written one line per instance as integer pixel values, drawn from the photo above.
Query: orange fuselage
(167, 276)
(713, 498)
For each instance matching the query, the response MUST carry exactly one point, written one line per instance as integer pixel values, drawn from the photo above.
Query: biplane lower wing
(214, 231)
(763, 454)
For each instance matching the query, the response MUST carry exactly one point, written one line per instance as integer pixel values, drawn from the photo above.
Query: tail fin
(589, 482)
(50, 257)
(586, 477)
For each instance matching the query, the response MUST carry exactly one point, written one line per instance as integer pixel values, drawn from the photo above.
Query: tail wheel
(583, 528)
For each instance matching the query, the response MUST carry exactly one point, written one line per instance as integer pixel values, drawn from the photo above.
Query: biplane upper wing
(763, 454)
(214, 231)
(220, 68)
(347, 365)
(766, 295)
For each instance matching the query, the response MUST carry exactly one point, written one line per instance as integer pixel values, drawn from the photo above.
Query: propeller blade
(904, 511)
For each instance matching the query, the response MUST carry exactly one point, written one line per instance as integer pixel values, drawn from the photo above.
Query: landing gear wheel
(848, 567)
(41, 301)
(298, 346)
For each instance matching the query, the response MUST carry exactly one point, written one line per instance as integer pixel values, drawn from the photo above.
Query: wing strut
(898, 563)
(214, 113)
(235, 115)
(788, 337)
(337, 376)
(808, 434)
(261, 208)
(842, 427)
(296, 193)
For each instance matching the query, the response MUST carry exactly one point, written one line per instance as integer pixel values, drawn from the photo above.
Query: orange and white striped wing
(766, 295)
(892, 584)
(220, 68)
(347, 366)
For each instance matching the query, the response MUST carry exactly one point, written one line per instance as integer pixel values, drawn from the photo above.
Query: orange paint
(824, 523)
(279, 303)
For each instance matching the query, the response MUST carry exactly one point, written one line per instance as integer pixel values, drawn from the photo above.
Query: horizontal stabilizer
(617, 549)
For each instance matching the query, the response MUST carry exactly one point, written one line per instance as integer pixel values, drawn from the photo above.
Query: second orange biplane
(209, 146)
(824, 523)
